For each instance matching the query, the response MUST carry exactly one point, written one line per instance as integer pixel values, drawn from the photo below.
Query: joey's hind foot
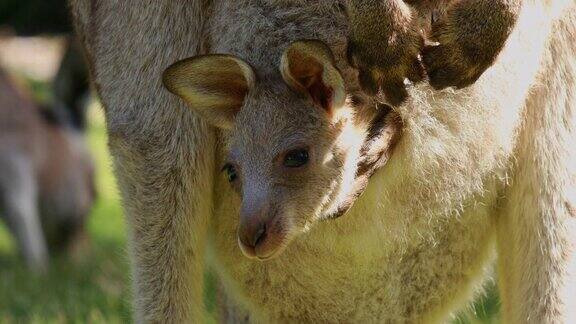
(468, 39)
(384, 45)
(451, 64)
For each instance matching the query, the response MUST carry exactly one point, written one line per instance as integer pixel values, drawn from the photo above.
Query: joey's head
(293, 149)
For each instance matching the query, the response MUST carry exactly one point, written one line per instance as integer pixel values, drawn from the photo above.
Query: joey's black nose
(252, 233)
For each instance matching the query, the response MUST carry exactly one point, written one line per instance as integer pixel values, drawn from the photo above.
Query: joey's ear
(308, 66)
(214, 86)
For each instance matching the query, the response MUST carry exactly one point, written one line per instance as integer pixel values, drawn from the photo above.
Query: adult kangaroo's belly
(354, 268)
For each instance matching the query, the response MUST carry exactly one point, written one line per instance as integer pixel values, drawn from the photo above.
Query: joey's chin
(263, 251)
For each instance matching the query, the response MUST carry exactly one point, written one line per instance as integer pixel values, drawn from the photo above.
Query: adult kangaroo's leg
(163, 155)
(537, 262)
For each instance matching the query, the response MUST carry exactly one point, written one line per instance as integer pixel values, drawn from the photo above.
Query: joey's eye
(230, 172)
(296, 158)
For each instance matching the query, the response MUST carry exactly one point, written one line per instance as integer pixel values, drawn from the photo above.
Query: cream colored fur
(489, 168)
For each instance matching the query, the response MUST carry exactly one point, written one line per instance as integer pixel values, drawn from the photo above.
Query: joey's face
(293, 151)
(287, 167)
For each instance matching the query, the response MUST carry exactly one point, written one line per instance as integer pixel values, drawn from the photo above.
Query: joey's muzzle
(251, 233)
(260, 232)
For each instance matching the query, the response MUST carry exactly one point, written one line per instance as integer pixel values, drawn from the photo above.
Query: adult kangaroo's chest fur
(416, 243)
(356, 268)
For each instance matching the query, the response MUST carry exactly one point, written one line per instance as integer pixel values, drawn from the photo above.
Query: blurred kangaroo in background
(49, 140)
(46, 176)
(277, 145)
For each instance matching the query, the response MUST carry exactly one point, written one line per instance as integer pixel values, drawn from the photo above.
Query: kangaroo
(46, 177)
(463, 40)
(249, 174)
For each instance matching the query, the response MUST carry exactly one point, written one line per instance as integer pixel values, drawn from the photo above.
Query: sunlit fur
(480, 170)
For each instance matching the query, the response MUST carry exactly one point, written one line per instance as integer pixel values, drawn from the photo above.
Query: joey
(305, 160)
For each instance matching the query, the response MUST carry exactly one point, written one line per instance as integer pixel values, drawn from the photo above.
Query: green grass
(93, 288)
